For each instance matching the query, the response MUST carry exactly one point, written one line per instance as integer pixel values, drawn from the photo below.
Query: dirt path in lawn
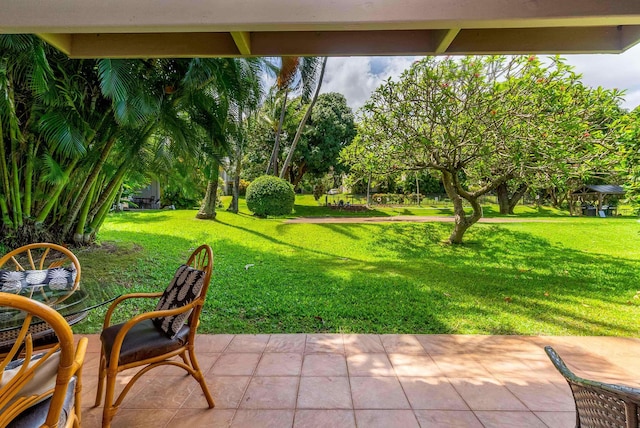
(407, 218)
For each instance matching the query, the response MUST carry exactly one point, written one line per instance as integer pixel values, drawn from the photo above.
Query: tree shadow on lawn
(521, 273)
(427, 288)
(497, 271)
(280, 227)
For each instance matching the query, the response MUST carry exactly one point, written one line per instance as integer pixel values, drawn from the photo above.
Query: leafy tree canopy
(481, 121)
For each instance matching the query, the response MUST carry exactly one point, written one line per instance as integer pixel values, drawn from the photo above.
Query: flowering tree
(480, 122)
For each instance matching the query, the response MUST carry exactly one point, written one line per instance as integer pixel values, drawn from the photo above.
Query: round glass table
(72, 305)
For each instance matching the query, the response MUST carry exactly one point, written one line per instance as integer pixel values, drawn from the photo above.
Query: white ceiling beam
(152, 16)
(184, 28)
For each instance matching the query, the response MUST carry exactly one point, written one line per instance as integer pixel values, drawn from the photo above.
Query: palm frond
(62, 134)
(117, 78)
(17, 42)
(41, 73)
(308, 75)
(53, 173)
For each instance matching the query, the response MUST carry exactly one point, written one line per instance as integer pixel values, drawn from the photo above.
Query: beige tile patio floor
(334, 380)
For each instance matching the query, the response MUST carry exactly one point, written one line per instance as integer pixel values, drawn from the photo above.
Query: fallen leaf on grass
(507, 299)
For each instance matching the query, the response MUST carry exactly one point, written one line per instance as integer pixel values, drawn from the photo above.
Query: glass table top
(66, 302)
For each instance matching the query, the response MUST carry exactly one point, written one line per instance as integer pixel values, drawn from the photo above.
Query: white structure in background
(149, 197)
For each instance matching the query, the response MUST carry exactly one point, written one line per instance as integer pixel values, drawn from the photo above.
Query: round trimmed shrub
(270, 195)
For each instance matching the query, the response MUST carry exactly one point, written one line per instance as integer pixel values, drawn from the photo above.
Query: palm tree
(295, 73)
(221, 90)
(287, 162)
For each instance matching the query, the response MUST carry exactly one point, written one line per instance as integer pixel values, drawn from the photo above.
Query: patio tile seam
(510, 411)
(251, 377)
(169, 423)
(406, 396)
(346, 359)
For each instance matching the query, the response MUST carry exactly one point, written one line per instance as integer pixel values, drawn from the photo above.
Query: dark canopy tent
(592, 198)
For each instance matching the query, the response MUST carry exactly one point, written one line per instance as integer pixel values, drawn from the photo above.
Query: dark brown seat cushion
(143, 341)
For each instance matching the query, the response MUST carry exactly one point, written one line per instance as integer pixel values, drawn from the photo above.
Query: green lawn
(564, 276)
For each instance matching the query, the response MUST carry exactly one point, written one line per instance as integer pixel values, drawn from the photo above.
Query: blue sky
(357, 77)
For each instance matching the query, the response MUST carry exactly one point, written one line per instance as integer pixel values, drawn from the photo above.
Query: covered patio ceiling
(209, 28)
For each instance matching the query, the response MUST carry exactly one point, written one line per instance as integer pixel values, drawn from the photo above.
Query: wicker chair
(43, 389)
(144, 341)
(40, 259)
(600, 404)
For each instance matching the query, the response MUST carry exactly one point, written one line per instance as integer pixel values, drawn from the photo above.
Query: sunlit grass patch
(573, 276)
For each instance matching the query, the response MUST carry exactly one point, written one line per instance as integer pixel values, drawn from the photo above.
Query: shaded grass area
(573, 277)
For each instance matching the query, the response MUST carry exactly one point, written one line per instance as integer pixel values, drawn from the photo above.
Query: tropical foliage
(482, 122)
(72, 130)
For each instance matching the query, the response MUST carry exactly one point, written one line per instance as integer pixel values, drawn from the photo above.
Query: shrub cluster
(268, 195)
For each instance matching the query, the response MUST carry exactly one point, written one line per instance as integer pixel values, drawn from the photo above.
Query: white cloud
(621, 71)
(357, 77)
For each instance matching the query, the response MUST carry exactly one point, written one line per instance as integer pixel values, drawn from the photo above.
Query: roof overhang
(202, 28)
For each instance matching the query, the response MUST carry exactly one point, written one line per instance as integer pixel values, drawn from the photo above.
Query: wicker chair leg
(109, 410)
(200, 378)
(102, 368)
(78, 398)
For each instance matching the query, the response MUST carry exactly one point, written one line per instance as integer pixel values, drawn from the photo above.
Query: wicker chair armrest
(119, 339)
(112, 307)
(81, 351)
(621, 391)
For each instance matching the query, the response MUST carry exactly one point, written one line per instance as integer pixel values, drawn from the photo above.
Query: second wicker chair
(155, 338)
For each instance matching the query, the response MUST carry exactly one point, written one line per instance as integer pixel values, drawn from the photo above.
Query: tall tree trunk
(87, 186)
(506, 201)
(78, 236)
(15, 191)
(273, 161)
(233, 206)
(4, 211)
(208, 207)
(110, 191)
(301, 171)
(517, 195)
(462, 222)
(119, 198)
(6, 188)
(53, 196)
(287, 161)
(103, 210)
(502, 192)
(28, 180)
